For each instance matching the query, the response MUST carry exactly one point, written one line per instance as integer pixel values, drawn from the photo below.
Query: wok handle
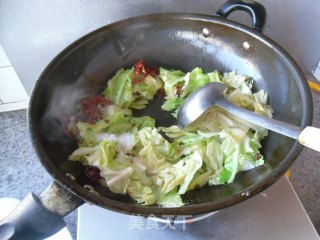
(255, 9)
(37, 218)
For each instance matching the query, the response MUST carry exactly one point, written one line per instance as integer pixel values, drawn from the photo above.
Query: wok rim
(136, 209)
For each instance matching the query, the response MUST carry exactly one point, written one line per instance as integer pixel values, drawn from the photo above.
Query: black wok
(172, 40)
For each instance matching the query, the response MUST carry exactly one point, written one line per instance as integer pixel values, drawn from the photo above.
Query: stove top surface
(276, 213)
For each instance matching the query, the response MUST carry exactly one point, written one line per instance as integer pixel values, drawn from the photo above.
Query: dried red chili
(161, 92)
(93, 102)
(89, 107)
(92, 172)
(80, 117)
(179, 89)
(141, 71)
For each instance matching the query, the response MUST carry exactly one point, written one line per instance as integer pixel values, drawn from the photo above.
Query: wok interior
(82, 70)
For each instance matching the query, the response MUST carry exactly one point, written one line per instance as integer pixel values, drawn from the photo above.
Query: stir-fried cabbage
(154, 164)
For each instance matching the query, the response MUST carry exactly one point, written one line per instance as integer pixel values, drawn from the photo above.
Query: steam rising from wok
(65, 102)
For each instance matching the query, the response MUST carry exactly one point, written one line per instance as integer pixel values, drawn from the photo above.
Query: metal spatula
(212, 95)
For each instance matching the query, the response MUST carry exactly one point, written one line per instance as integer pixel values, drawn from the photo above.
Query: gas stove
(276, 213)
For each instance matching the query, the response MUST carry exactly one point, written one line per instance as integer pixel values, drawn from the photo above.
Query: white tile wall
(13, 96)
(4, 61)
(11, 89)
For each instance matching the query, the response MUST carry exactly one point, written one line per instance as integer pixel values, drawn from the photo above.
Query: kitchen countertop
(21, 172)
(305, 173)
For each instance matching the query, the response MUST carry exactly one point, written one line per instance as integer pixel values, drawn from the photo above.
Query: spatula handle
(310, 137)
